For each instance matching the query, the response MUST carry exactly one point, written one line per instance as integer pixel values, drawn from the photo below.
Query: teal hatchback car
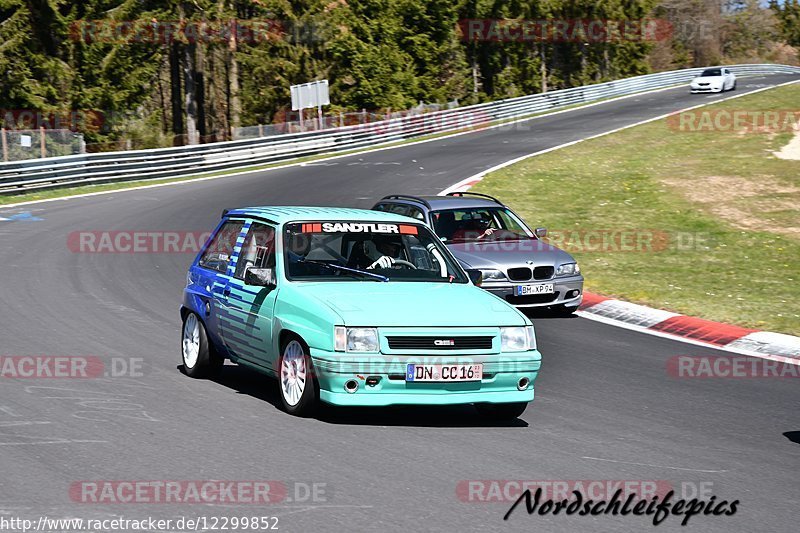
(353, 307)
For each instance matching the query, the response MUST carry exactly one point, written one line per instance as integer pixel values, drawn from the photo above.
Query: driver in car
(477, 227)
(388, 249)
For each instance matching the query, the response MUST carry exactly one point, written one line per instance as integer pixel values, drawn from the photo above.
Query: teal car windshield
(367, 251)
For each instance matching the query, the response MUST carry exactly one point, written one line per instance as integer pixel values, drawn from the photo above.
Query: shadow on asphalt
(265, 388)
(544, 312)
(793, 436)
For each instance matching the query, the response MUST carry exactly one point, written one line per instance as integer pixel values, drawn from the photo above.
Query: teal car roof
(284, 214)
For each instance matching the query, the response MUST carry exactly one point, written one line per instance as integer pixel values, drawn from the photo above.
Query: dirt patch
(791, 150)
(744, 203)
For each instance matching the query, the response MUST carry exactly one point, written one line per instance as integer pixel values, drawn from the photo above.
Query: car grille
(531, 299)
(524, 273)
(441, 342)
(519, 274)
(544, 272)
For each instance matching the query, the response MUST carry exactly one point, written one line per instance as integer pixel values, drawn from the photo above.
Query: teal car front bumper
(382, 379)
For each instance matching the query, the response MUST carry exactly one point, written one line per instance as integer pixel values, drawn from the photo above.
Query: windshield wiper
(370, 275)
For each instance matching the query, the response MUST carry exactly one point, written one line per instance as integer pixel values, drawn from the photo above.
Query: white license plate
(425, 373)
(543, 288)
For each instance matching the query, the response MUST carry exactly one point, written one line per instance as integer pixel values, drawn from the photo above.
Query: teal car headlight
(568, 269)
(492, 275)
(517, 339)
(355, 339)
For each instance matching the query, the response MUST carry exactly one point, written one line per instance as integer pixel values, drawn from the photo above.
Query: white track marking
(727, 348)
(339, 156)
(739, 346)
(480, 175)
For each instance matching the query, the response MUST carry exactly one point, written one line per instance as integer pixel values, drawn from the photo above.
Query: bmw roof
(284, 214)
(444, 202)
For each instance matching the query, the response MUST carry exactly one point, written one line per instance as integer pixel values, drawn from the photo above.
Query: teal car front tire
(199, 359)
(297, 386)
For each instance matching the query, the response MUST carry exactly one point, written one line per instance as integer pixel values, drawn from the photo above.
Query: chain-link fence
(18, 145)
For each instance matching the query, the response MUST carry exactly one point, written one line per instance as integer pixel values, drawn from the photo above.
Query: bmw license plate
(426, 373)
(542, 288)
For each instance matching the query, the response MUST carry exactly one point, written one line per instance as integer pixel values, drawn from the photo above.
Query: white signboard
(25, 141)
(312, 94)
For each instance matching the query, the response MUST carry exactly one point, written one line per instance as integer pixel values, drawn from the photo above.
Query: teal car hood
(412, 304)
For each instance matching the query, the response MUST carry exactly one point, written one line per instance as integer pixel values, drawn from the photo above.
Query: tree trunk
(200, 79)
(544, 68)
(175, 92)
(189, 87)
(235, 104)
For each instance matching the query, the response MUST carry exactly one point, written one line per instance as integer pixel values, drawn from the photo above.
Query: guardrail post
(42, 142)
(5, 144)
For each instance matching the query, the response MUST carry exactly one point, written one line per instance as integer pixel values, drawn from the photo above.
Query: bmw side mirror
(541, 232)
(260, 277)
(475, 276)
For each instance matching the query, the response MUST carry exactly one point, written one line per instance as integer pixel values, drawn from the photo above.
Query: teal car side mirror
(261, 277)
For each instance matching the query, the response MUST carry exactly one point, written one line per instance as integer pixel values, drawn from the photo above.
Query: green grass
(66, 191)
(726, 188)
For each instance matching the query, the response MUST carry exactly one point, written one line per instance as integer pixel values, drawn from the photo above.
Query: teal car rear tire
(501, 411)
(297, 386)
(199, 358)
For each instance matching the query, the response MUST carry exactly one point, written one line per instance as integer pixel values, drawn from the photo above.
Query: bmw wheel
(298, 388)
(199, 358)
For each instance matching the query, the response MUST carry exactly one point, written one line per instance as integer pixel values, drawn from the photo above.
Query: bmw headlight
(493, 275)
(355, 339)
(568, 269)
(517, 339)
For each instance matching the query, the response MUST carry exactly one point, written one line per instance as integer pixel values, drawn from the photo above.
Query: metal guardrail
(160, 163)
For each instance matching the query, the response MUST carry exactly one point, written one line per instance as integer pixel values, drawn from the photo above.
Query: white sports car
(713, 80)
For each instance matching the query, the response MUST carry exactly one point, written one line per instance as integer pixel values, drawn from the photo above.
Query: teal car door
(248, 328)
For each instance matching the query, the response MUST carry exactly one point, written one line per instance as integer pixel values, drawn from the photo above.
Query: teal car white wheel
(191, 341)
(199, 360)
(296, 382)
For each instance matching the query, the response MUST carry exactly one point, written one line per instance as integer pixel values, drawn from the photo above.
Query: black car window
(217, 254)
(398, 209)
(258, 250)
(414, 212)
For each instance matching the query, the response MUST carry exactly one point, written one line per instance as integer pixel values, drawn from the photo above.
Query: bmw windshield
(367, 251)
(479, 224)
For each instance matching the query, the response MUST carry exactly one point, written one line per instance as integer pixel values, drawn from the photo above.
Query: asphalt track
(606, 409)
